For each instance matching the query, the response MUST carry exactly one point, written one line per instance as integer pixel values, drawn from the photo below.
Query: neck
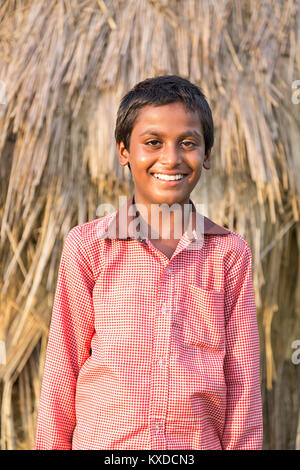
(162, 221)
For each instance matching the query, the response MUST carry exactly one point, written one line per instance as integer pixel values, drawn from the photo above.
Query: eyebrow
(189, 132)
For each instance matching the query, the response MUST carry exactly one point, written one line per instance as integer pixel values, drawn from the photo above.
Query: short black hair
(158, 91)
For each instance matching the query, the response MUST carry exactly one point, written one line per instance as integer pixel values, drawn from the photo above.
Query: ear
(206, 162)
(123, 154)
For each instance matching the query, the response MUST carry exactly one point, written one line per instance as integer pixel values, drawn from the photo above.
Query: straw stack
(65, 64)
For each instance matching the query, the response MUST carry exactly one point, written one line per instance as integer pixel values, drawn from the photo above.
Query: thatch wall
(65, 65)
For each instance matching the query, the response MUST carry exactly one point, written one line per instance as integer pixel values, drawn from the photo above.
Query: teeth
(168, 177)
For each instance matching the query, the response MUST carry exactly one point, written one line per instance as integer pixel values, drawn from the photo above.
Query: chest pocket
(203, 323)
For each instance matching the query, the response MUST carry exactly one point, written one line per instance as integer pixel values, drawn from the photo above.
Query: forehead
(169, 118)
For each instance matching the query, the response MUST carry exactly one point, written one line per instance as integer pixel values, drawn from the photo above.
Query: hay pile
(65, 65)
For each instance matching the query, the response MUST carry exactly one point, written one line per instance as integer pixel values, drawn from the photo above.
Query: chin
(172, 198)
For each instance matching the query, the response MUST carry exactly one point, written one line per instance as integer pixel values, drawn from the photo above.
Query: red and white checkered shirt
(147, 352)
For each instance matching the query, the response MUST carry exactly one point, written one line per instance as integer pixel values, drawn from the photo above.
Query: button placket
(160, 370)
(161, 362)
(158, 427)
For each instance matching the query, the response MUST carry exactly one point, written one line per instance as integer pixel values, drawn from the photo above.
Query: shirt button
(163, 309)
(161, 362)
(168, 270)
(157, 427)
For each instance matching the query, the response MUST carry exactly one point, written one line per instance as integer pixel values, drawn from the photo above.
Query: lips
(169, 173)
(167, 181)
(160, 176)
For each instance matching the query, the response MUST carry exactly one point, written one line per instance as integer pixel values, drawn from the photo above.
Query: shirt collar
(120, 226)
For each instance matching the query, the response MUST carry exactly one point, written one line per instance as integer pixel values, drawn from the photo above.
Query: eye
(153, 142)
(188, 144)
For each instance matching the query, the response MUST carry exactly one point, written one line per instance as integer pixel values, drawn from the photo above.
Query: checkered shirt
(147, 352)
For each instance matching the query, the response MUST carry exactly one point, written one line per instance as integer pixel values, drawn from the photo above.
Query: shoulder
(222, 237)
(232, 247)
(87, 241)
(233, 241)
(92, 232)
(236, 251)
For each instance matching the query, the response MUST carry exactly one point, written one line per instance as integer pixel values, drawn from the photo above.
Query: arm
(243, 424)
(71, 330)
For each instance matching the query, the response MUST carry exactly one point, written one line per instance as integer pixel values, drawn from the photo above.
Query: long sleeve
(243, 428)
(71, 330)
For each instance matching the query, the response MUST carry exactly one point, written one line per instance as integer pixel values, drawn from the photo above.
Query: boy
(153, 342)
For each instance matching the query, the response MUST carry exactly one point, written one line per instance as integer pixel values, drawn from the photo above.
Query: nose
(171, 155)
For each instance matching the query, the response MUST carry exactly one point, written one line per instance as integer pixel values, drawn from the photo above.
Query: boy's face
(165, 140)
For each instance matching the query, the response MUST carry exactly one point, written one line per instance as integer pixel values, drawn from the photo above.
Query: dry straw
(65, 65)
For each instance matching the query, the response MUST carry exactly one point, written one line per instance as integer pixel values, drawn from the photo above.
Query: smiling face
(166, 142)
